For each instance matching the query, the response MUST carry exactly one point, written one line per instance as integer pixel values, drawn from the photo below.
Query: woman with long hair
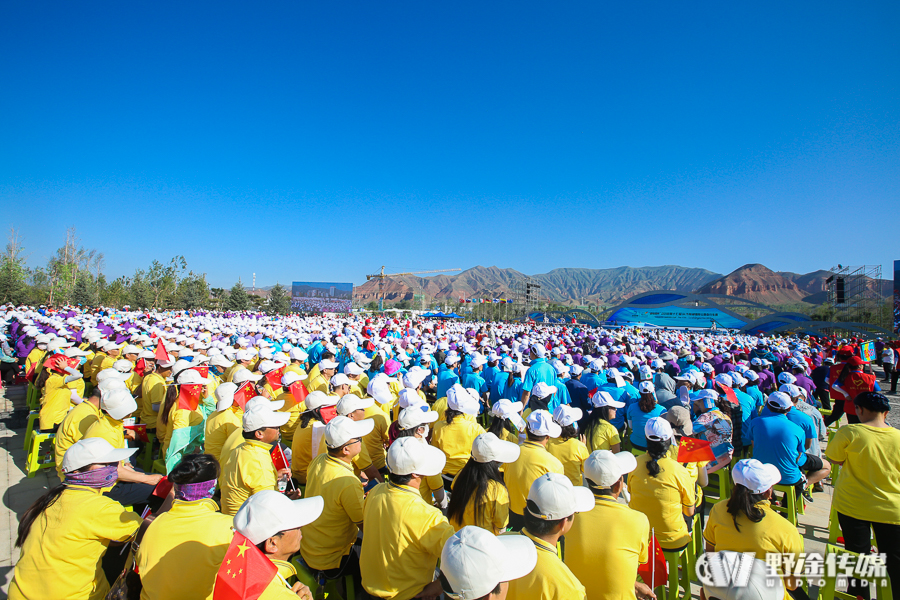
(309, 437)
(642, 411)
(455, 434)
(747, 523)
(851, 382)
(66, 532)
(480, 497)
(506, 420)
(415, 421)
(599, 432)
(662, 489)
(568, 447)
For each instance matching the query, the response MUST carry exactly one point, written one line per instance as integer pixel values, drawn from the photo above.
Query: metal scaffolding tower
(855, 294)
(526, 296)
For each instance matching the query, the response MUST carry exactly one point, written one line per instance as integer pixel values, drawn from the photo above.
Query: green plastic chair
(829, 592)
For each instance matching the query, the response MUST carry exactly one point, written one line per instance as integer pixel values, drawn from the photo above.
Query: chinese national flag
(729, 393)
(279, 459)
(189, 395)
(245, 572)
(140, 367)
(694, 450)
(655, 571)
(160, 353)
(244, 393)
(274, 377)
(204, 371)
(298, 391)
(140, 431)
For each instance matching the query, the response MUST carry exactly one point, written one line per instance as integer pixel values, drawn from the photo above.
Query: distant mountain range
(610, 286)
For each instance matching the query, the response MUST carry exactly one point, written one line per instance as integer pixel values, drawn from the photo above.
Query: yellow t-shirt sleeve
(501, 509)
(436, 535)
(260, 478)
(351, 500)
(114, 523)
(837, 447)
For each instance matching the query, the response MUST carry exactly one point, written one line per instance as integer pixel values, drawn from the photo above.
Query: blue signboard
(676, 316)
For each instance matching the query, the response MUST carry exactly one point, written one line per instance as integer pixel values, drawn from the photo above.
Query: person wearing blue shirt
(638, 413)
(748, 413)
(473, 379)
(619, 394)
(514, 391)
(778, 441)
(578, 392)
(490, 371)
(539, 371)
(446, 377)
(752, 389)
(499, 383)
(801, 420)
(315, 352)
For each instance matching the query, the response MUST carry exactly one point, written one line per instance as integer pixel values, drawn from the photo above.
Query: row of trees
(74, 275)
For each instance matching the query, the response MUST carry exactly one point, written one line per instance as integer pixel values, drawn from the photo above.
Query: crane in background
(381, 275)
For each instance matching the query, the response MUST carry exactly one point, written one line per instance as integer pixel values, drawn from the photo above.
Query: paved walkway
(19, 492)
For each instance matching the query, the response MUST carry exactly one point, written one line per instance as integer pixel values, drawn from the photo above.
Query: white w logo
(725, 569)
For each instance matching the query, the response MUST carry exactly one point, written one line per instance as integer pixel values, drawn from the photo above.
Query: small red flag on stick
(245, 572)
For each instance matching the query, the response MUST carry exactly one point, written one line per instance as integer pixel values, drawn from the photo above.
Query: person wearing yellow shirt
(153, 397)
(243, 360)
(680, 419)
(131, 353)
(376, 441)
(477, 565)
(662, 489)
(274, 523)
(172, 416)
(320, 381)
(607, 564)
(327, 544)
(98, 359)
(309, 438)
(64, 385)
(746, 522)
(402, 532)
(534, 460)
(507, 422)
(354, 407)
(222, 423)
(414, 422)
(266, 368)
(549, 515)
(599, 432)
(354, 373)
(66, 532)
(112, 355)
(568, 448)
(249, 469)
(479, 496)
(35, 357)
(455, 434)
(182, 549)
(867, 495)
(291, 405)
(298, 358)
(78, 421)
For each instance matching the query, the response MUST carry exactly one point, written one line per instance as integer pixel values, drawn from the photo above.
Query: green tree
(372, 305)
(219, 295)
(162, 282)
(13, 271)
(193, 292)
(115, 294)
(238, 299)
(279, 301)
(83, 292)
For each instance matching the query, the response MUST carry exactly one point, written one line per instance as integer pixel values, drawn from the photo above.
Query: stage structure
(854, 294)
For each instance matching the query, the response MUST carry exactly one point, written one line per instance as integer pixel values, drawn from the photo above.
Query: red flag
(298, 391)
(140, 367)
(162, 488)
(203, 370)
(279, 459)
(140, 431)
(274, 377)
(189, 395)
(244, 393)
(729, 393)
(655, 571)
(694, 450)
(245, 572)
(160, 353)
(30, 374)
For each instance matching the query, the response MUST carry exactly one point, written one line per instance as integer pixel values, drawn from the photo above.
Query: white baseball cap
(243, 355)
(724, 379)
(542, 390)
(539, 350)
(488, 447)
(353, 369)
(759, 585)
(478, 361)
(540, 422)
(268, 512)
(118, 403)
(474, 561)
(567, 415)
(243, 374)
(408, 455)
(225, 395)
(459, 398)
(416, 415)
(219, 360)
(646, 387)
(605, 468)
(341, 430)
(327, 364)
(779, 400)
(794, 391)
(318, 399)
(339, 379)
(601, 398)
(414, 378)
(556, 498)
(111, 383)
(658, 429)
(508, 409)
(351, 402)
(111, 374)
(755, 475)
(409, 397)
(259, 416)
(192, 377)
(92, 451)
(290, 377)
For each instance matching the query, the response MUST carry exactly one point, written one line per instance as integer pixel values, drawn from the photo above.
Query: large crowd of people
(404, 458)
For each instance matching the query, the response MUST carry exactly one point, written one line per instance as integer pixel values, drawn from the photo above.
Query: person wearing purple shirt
(804, 382)
(766, 380)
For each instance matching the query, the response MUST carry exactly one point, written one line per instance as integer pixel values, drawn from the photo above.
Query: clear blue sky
(320, 140)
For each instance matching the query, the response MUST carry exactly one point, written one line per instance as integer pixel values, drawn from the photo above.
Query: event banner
(319, 297)
(897, 296)
(676, 316)
(867, 351)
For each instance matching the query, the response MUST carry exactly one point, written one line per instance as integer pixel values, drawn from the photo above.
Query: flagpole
(653, 565)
